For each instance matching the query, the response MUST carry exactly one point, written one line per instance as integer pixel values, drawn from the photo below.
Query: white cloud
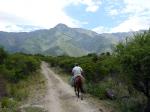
(138, 12)
(101, 29)
(10, 28)
(92, 5)
(92, 8)
(48, 13)
(136, 6)
(113, 7)
(132, 24)
(42, 13)
(113, 12)
(139, 16)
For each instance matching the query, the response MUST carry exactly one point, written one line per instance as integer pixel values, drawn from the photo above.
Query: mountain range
(60, 40)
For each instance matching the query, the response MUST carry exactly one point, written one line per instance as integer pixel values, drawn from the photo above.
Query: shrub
(8, 105)
(3, 55)
(18, 67)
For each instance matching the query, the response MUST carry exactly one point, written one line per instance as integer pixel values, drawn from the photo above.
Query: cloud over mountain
(98, 15)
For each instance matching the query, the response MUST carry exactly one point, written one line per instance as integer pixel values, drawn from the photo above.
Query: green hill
(60, 40)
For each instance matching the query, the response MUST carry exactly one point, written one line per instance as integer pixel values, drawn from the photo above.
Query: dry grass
(29, 91)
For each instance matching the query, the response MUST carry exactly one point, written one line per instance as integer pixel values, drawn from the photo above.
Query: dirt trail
(60, 96)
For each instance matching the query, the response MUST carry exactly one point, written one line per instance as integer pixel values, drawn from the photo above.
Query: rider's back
(77, 70)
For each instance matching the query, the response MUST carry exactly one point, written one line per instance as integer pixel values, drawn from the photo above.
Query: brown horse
(78, 86)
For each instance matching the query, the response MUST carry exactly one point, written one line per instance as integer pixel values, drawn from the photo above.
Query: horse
(78, 87)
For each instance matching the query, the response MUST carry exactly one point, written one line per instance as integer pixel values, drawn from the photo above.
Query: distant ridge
(60, 40)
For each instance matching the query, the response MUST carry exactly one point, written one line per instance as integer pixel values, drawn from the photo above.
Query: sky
(101, 16)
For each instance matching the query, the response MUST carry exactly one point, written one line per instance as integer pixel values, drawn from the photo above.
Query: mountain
(60, 40)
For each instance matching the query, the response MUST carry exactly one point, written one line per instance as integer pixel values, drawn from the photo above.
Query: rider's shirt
(77, 70)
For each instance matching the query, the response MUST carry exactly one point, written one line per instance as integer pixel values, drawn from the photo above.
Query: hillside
(60, 40)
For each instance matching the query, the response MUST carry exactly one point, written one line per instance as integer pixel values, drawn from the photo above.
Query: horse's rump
(78, 84)
(78, 80)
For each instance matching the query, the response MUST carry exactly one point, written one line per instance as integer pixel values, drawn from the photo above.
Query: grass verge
(28, 91)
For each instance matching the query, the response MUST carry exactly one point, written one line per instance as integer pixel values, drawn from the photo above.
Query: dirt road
(60, 96)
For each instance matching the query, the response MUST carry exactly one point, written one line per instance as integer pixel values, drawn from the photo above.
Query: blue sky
(102, 16)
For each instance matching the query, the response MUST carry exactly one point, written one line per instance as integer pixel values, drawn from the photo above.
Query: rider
(76, 71)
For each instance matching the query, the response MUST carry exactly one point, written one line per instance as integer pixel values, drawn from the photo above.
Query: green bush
(97, 90)
(3, 55)
(131, 105)
(134, 56)
(18, 66)
(8, 105)
(17, 91)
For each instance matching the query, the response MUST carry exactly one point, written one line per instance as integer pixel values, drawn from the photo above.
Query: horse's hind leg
(82, 89)
(78, 90)
(75, 90)
(81, 94)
